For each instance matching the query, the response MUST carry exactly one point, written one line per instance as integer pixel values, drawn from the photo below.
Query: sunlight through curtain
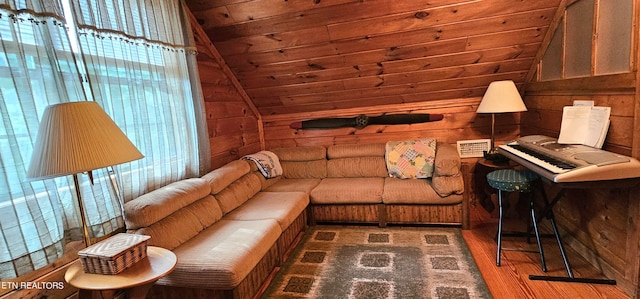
(37, 68)
(137, 64)
(137, 61)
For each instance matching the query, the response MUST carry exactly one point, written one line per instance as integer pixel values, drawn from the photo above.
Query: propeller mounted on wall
(362, 121)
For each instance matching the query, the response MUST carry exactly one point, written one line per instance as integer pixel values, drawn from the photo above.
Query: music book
(584, 124)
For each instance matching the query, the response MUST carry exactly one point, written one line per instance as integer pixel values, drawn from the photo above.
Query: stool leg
(538, 240)
(499, 227)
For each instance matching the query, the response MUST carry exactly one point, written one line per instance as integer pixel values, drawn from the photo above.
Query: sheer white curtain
(130, 56)
(37, 69)
(138, 59)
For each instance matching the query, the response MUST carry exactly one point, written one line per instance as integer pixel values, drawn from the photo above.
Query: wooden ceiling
(297, 56)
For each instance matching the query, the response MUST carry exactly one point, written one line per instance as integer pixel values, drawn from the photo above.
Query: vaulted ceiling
(296, 56)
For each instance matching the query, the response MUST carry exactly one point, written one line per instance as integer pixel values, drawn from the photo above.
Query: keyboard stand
(547, 212)
(605, 181)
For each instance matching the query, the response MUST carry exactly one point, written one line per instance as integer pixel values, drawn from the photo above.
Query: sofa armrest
(447, 160)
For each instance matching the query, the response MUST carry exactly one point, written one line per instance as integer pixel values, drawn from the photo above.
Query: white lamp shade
(500, 97)
(77, 137)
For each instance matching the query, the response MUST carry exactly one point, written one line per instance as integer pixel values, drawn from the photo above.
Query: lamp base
(494, 156)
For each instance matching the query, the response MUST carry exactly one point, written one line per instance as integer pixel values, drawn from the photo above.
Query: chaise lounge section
(228, 236)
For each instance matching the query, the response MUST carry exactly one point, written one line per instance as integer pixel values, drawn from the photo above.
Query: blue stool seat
(511, 180)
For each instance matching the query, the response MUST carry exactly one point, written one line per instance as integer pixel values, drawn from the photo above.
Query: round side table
(136, 280)
(487, 196)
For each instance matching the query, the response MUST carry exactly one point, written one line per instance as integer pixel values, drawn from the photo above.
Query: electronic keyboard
(569, 162)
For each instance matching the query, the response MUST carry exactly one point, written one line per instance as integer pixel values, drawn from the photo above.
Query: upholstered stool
(511, 180)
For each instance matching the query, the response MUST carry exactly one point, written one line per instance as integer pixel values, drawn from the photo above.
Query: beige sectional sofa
(232, 228)
(350, 183)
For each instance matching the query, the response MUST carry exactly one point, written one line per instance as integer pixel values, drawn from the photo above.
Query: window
(577, 43)
(593, 38)
(613, 40)
(131, 57)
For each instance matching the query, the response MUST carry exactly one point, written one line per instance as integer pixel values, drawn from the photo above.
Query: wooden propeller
(362, 121)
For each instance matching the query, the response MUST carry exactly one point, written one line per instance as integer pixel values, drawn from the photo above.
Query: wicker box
(115, 254)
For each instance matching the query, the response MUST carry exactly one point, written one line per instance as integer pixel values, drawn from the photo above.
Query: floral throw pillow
(411, 159)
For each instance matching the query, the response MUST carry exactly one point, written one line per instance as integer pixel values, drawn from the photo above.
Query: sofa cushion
(160, 203)
(348, 191)
(301, 153)
(222, 177)
(357, 167)
(293, 185)
(314, 169)
(238, 192)
(284, 207)
(183, 224)
(303, 162)
(415, 191)
(355, 150)
(221, 256)
(266, 183)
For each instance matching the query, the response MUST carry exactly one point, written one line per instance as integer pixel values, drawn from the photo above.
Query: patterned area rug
(371, 262)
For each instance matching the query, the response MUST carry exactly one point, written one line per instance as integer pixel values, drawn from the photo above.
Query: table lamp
(500, 97)
(78, 137)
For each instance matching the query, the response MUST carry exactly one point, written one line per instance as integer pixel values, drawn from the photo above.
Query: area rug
(359, 262)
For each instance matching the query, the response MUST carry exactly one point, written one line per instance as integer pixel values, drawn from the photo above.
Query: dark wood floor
(511, 279)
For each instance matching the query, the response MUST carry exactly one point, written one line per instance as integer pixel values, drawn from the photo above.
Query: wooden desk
(137, 279)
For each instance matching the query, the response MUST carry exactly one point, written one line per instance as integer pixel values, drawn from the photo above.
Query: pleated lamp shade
(501, 97)
(77, 137)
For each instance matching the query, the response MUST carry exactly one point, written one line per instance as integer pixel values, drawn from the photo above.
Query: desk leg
(547, 212)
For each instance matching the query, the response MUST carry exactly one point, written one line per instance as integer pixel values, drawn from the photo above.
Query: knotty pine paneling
(393, 79)
(460, 123)
(233, 122)
(502, 24)
(382, 95)
(544, 116)
(366, 65)
(601, 225)
(306, 56)
(408, 21)
(233, 129)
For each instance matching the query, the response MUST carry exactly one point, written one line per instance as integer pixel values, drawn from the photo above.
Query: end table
(485, 193)
(136, 280)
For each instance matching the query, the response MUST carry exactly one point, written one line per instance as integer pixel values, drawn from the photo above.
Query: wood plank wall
(306, 56)
(545, 101)
(601, 224)
(234, 124)
(460, 122)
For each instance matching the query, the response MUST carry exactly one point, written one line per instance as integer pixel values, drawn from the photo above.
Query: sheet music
(598, 126)
(575, 120)
(584, 125)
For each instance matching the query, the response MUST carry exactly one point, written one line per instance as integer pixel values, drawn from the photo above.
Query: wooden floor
(511, 279)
